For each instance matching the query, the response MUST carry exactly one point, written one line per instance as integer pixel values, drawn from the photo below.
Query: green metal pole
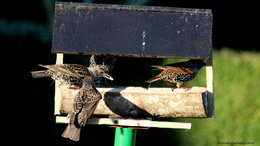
(125, 137)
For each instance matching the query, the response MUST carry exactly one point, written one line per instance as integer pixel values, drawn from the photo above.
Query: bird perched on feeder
(73, 74)
(178, 73)
(84, 104)
(107, 62)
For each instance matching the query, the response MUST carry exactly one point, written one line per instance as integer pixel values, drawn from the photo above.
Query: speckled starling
(72, 74)
(107, 62)
(178, 73)
(84, 104)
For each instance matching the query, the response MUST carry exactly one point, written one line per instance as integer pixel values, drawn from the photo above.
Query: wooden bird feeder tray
(136, 31)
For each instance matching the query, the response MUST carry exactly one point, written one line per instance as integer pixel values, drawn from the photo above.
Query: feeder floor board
(130, 122)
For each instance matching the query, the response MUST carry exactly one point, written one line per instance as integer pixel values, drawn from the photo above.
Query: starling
(107, 62)
(84, 104)
(178, 73)
(73, 74)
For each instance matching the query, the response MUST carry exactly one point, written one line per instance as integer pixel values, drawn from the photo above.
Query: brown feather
(67, 69)
(173, 69)
(72, 132)
(40, 74)
(153, 79)
(84, 104)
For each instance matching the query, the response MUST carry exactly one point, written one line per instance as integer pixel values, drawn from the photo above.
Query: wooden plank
(130, 122)
(209, 74)
(57, 96)
(59, 58)
(138, 102)
(209, 86)
(141, 31)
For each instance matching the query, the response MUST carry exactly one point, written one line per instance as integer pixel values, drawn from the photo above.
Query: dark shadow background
(25, 36)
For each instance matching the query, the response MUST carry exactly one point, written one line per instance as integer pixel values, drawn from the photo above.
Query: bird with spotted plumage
(80, 77)
(177, 73)
(84, 104)
(73, 74)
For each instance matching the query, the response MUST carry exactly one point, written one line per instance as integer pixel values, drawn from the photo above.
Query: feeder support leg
(125, 137)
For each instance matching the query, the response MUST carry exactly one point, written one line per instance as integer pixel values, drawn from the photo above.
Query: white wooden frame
(134, 122)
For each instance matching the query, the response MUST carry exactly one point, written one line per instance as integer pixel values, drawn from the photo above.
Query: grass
(237, 102)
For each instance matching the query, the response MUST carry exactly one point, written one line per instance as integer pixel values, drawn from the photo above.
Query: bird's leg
(172, 85)
(52, 83)
(149, 86)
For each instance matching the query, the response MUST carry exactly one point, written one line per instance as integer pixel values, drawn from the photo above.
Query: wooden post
(59, 60)
(209, 86)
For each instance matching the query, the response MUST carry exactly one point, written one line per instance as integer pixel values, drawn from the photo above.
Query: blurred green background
(25, 34)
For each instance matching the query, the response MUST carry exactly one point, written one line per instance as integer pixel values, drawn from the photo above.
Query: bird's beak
(108, 77)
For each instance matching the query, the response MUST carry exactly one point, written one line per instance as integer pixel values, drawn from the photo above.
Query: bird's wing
(158, 67)
(89, 107)
(153, 79)
(77, 106)
(173, 69)
(67, 69)
(79, 70)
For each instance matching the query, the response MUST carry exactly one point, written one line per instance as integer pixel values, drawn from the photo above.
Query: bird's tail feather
(72, 132)
(40, 74)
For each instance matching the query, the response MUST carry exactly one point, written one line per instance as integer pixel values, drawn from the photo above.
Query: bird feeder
(136, 31)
